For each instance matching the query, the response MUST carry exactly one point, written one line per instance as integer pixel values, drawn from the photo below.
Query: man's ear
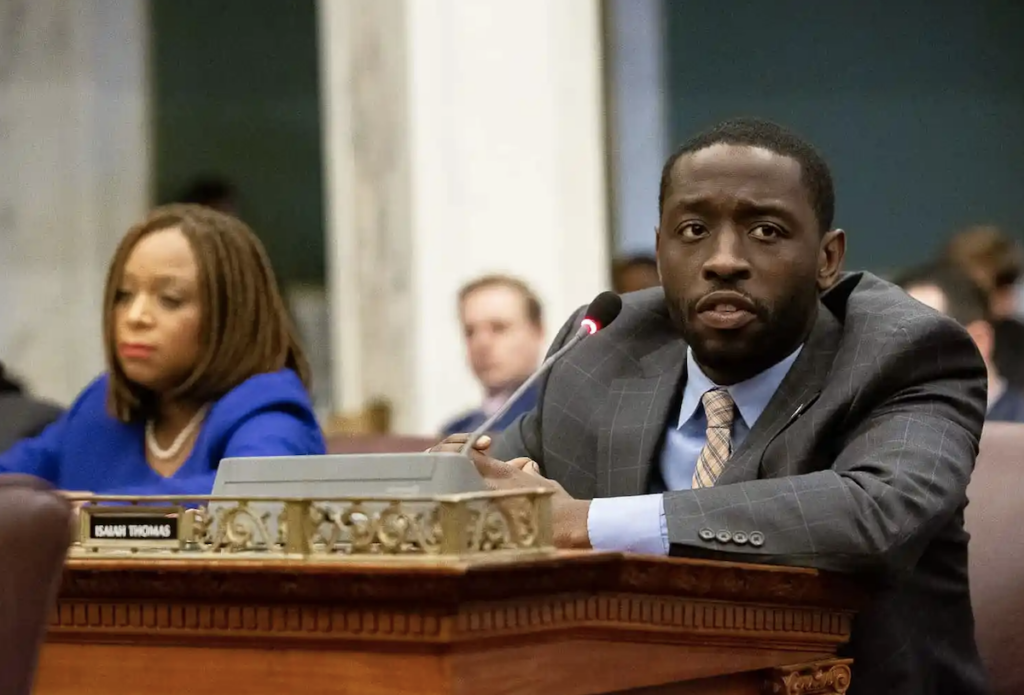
(831, 253)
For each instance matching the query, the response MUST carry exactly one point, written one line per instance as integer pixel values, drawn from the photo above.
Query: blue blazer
(88, 450)
(473, 419)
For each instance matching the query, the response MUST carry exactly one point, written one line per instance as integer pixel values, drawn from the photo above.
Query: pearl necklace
(172, 451)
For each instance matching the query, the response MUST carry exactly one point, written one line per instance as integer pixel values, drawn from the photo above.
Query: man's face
(742, 258)
(502, 344)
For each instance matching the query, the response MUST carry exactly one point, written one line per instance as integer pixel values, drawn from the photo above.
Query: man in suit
(762, 406)
(635, 273)
(947, 289)
(995, 261)
(503, 327)
(21, 416)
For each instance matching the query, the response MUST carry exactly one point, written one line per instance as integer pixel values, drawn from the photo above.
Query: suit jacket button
(706, 534)
(756, 539)
(724, 536)
(739, 538)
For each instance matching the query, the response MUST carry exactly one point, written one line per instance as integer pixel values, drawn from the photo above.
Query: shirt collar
(493, 402)
(751, 396)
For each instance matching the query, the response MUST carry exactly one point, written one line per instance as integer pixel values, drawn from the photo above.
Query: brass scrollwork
(342, 528)
(822, 678)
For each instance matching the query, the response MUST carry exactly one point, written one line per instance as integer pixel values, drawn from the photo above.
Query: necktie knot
(719, 408)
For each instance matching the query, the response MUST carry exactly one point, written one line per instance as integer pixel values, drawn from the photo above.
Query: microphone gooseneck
(600, 312)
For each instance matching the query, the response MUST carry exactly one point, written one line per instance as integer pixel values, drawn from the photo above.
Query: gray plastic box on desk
(348, 475)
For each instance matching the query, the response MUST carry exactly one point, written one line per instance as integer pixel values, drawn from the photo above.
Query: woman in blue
(202, 364)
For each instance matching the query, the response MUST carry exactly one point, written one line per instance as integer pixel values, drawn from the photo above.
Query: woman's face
(157, 311)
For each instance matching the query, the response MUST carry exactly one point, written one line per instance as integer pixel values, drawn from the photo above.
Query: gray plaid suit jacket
(859, 463)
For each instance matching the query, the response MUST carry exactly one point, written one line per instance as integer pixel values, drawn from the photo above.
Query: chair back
(35, 533)
(995, 513)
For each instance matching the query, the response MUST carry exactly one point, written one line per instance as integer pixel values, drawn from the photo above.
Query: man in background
(21, 415)
(212, 192)
(635, 273)
(502, 323)
(949, 291)
(995, 262)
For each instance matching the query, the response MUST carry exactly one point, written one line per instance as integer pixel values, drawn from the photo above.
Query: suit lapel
(797, 392)
(634, 417)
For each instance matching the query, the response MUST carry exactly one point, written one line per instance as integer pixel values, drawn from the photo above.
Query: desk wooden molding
(564, 623)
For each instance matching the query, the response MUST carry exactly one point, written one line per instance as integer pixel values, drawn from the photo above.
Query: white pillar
(74, 174)
(462, 138)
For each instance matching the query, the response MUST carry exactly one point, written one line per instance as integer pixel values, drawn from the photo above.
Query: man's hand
(568, 515)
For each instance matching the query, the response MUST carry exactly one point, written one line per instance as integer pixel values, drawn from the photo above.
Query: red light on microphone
(600, 312)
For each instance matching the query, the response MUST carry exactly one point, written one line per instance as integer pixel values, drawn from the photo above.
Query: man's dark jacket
(21, 416)
(859, 464)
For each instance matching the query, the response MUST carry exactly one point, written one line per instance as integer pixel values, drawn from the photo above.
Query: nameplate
(132, 527)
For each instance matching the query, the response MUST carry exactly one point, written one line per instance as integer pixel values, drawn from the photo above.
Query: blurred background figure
(212, 192)
(503, 327)
(995, 261)
(947, 289)
(634, 273)
(21, 415)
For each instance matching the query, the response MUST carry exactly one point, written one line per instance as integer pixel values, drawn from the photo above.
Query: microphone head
(602, 311)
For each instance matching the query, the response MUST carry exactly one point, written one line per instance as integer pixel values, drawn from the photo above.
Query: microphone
(601, 312)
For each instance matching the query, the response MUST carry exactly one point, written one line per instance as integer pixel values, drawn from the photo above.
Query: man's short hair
(988, 255)
(208, 191)
(755, 132)
(965, 300)
(639, 260)
(534, 312)
(621, 268)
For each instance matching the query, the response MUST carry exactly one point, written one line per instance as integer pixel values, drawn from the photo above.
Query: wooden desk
(568, 624)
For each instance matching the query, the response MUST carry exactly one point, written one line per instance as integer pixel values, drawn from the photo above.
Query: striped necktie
(719, 409)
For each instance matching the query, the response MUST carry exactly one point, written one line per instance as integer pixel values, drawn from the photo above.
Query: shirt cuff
(629, 524)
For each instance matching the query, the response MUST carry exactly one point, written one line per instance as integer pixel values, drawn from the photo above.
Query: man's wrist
(570, 525)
